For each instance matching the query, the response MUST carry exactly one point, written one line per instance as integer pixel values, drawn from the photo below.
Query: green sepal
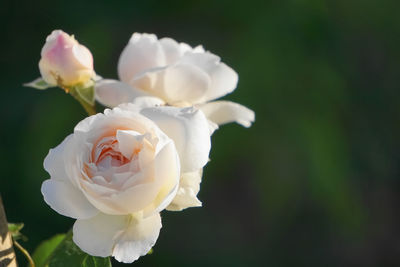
(39, 83)
(14, 229)
(86, 93)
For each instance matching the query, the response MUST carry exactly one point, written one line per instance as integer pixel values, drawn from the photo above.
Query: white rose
(64, 61)
(118, 170)
(177, 74)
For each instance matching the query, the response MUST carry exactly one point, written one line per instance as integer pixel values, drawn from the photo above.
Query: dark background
(314, 182)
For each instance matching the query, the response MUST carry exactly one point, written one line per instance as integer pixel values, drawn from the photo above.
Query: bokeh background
(314, 182)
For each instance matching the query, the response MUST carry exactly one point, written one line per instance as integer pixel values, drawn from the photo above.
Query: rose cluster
(119, 169)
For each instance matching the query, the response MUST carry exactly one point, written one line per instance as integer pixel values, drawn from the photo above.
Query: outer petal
(189, 129)
(111, 93)
(148, 101)
(124, 237)
(137, 239)
(221, 112)
(54, 161)
(223, 78)
(60, 157)
(186, 196)
(96, 236)
(67, 200)
(141, 53)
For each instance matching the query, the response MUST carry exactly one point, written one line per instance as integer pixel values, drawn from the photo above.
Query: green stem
(26, 253)
(91, 110)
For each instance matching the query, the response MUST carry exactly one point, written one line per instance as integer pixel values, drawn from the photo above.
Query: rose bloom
(64, 61)
(119, 169)
(177, 74)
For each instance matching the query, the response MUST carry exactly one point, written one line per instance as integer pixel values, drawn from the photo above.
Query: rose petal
(54, 161)
(172, 50)
(128, 141)
(148, 101)
(221, 112)
(186, 197)
(184, 83)
(179, 83)
(189, 129)
(150, 195)
(223, 78)
(111, 93)
(142, 52)
(67, 200)
(124, 237)
(97, 235)
(137, 239)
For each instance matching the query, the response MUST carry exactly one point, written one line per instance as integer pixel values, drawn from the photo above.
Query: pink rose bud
(64, 61)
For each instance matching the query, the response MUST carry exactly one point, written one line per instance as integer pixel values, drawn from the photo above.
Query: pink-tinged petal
(64, 61)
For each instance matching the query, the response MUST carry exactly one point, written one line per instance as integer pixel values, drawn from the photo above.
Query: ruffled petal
(189, 187)
(222, 112)
(189, 130)
(145, 195)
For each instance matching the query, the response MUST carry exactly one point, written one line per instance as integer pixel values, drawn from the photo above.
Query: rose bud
(64, 61)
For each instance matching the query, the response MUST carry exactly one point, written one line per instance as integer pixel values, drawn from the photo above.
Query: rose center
(107, 154)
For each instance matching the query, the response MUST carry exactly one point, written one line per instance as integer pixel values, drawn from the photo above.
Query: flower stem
(91, 110)
(26, 253)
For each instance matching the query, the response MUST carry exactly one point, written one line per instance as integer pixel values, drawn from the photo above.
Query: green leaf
(39, 83)
(91, 261)
(44, 250)
(62, 252)
(86, 94)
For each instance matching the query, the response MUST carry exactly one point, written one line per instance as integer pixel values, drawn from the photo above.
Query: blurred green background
(314, 182)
